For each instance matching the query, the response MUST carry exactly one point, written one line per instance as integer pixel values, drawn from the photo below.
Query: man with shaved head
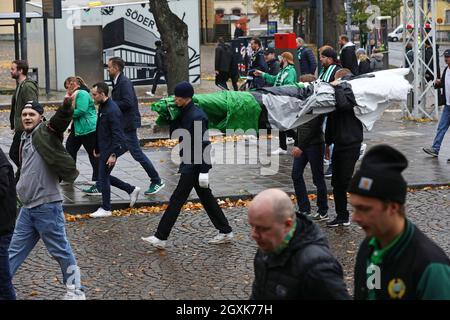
(293, 260)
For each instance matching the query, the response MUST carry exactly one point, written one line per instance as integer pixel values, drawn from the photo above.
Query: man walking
(293, 260)
(8, 215)
(222, 63)
(396, 255)
(306, 59)
(161, 67)
(257, 62)
(444, 99)
(43, 163)
(110, 146)
(194, 167)
(124, 96)
(26, 90)
(347, 56)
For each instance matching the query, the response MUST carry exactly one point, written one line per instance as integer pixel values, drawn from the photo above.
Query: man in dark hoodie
(345, 131)
(222, 63)
(26, 90)
(348, 54)
(161, 67)
(293, 260)
(8, 215)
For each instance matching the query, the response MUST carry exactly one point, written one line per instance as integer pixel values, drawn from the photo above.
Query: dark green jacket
(415, 268)
(27, 91)
(48, 142)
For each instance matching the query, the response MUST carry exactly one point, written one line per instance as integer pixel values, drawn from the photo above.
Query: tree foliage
(273, 7)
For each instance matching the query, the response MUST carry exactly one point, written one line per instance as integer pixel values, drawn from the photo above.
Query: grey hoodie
(376, 62)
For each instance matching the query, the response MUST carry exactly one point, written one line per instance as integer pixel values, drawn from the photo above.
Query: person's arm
(217, 59)
(115, 124)
(29, 93)
(60, 121)
(206, 149)
(262, 63)
(312, 61)
(4, 181)
(434, 283)
(81, 104)
(345, 100)
(125, 100)
(269, 79)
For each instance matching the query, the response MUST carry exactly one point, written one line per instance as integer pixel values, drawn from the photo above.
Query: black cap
(269, 51)
(380, 175)
(329, 53)
(447, 53)
(184, 90)
(35, 106)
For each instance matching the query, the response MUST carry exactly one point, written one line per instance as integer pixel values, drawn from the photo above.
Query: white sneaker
(279, 151)
(134, 196)
(74, 294)
(101, 213)
(290, 140)
(64, 183)
(154, 241)
(362, 151)
(149, 93)
(222, 238)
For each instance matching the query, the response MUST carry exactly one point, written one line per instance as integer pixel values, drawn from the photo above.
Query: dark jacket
(307, 61)
(348, 58)
(27, 91)
(124, 96)
(110, 135)
(273, 67)
(343, 128)
(160, 60)
(310, 133)
(442, 95)
(238, 32)
(306, 269)
(48, 140)
(257, 62)
(8, 212)
(222, 60)
(429, 62)
(420, 268)
(192, 116)
(364, 67)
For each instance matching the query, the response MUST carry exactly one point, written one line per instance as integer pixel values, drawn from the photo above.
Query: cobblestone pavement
(116, 264)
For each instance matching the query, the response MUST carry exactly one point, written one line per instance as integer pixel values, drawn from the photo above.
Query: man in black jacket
(345, 131)
(396, 260)
(309, 147)
(191, 128)
(222, 63)
(293, 260)
(124, 95)
(257, 62)
(8, 216)
(161, 67)
(273, 64)
(347, 55)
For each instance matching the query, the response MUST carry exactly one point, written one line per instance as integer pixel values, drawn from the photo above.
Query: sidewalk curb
(88, 208)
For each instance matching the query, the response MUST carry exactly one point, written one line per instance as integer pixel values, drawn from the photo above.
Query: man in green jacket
(26, 90)
(286, 76)
(396, 260)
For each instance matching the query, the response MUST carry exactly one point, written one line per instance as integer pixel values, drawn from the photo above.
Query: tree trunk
(331, 27)
(295, 25)
(174, 35)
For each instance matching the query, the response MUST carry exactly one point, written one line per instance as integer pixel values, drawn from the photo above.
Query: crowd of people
(293, 260)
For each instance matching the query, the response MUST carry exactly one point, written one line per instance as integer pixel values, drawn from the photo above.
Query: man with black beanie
(396, 260)
(191, 129)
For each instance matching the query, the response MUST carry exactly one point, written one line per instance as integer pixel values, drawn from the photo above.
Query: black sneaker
(430, 151)
(338, 222)
(322, 217)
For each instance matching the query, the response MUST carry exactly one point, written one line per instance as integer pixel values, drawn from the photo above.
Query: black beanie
(184, 90)
(35, 106)
(380, 175)
(329, 53)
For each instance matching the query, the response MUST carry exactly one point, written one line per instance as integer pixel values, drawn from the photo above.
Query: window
(220, 12)
(263, 18)
(447, 16)
(236, 12)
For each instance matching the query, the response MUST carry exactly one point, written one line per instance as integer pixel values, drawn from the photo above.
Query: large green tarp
(225, 110)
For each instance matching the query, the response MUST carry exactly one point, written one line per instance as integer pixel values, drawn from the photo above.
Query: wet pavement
(116, 264)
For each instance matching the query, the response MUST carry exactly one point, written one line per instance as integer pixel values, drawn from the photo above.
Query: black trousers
(88, 141)
(344, 161)
(221, 79)
(180, 195)
(158, 76)
(14, 149)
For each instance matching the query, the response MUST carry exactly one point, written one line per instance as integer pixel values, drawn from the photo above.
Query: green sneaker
(155, 187)
(92, 191)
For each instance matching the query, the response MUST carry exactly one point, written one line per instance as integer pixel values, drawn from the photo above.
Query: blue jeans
(443, 125)
(106, 180)
(314, 155)
(44, 222)
(137, 154)
(6, 288)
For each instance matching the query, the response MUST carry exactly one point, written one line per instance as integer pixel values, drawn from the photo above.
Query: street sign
(272, 27)
(52, 9)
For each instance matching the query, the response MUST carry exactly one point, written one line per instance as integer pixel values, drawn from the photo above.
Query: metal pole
(46, 58)
(23, 30)
(16, 40)
(319, 31)
(349, 19)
